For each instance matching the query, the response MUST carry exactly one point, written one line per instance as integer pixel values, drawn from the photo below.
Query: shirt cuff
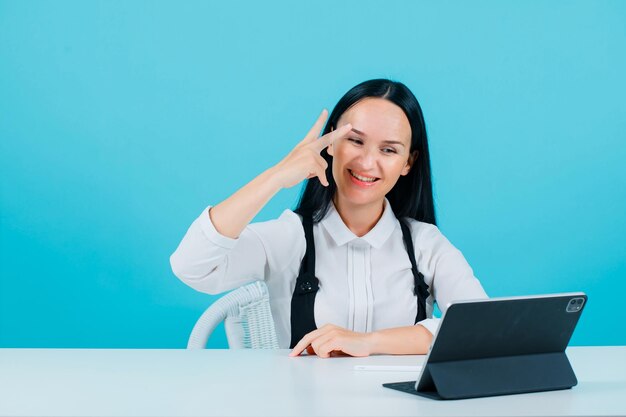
(211, 233)
(432, 325)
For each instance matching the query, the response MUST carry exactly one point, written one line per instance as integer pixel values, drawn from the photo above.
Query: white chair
(247, 320)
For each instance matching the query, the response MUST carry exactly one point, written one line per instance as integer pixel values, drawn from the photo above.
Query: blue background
(120, 121)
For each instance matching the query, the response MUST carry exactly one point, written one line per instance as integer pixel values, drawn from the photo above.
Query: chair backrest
(247, 320)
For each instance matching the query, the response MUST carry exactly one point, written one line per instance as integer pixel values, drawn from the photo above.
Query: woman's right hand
(232, 215)
(304, 161)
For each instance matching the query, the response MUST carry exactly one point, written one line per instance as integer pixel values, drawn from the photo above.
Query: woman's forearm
(232, 215)
(409, 340)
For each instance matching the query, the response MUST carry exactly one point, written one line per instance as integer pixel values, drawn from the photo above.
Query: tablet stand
(493, 376)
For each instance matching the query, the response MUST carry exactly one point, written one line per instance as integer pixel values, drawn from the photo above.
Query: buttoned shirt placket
(361, 301)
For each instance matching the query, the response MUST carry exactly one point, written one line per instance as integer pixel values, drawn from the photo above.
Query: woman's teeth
(361, 178)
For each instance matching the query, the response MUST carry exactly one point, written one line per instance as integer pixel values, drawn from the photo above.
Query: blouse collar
(376, 237)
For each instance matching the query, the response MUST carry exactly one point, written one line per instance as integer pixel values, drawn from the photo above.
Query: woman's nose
(367, 158)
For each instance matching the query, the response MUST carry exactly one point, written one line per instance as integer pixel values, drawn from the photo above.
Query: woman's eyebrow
(386, 142)
(394, 142)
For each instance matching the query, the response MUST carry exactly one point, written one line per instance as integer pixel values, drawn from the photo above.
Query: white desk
(67, 382)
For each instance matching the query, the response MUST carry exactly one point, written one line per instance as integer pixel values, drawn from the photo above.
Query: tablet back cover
(503, 346)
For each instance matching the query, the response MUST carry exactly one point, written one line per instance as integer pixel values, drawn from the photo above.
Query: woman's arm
(232, 215)
(205, 259)
(408, 340)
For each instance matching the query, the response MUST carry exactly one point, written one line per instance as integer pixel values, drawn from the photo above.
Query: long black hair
(412, 195)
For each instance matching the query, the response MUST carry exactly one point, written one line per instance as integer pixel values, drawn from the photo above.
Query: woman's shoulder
(419, 228)
(426, 234)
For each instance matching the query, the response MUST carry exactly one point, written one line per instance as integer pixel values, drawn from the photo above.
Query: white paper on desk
(389, 368)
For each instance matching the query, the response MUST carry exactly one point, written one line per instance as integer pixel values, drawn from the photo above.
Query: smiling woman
(358, 266)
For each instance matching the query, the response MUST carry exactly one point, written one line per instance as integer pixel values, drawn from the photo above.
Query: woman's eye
(356, 141)
(389, 150)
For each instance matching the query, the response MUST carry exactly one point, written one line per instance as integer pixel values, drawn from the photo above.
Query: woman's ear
(410, 162)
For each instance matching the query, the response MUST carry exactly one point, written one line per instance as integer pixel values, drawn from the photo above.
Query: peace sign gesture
(304, 161)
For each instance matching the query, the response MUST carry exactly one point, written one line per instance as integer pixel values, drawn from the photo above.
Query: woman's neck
(360, 218)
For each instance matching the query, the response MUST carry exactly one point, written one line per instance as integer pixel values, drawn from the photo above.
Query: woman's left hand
(330, 339)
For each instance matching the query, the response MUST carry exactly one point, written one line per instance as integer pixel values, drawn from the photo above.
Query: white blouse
(366, 283)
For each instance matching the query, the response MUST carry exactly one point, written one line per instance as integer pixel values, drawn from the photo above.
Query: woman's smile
(362, 180)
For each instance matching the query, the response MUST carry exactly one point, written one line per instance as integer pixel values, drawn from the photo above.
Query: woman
(358, 265)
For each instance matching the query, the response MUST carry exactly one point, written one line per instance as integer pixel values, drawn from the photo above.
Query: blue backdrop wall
(120, 121)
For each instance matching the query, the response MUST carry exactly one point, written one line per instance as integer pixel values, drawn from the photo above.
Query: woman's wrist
(409, 340)
(374, 342)
(273, 178)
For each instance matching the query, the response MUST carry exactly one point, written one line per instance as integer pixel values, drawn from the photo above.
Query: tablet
(500, 346)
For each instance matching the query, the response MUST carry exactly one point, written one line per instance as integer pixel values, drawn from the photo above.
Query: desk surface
(73, 382)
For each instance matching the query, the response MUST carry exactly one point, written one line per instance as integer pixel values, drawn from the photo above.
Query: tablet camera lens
(574, 305)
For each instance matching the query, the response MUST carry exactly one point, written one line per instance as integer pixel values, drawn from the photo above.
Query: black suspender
(307, 284)
(420, 288)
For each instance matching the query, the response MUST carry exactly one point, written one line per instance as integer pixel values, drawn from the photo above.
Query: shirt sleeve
(213, 263)
(449, 276)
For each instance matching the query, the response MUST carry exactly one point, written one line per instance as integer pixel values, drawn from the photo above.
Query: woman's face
(368, 162)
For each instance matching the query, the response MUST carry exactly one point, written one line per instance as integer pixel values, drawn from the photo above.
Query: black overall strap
(307, 284)
(420, 288)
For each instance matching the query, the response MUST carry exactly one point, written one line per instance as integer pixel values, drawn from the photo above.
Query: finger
(303, 343)
(315, 130)
(320, 173)
(314, 133)
(333, 346)
(324, 345)
(307, 340)
(327, 139)
(329, 349)
(323, 179)
(298, 349)
(319, 170)
(321, 162)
